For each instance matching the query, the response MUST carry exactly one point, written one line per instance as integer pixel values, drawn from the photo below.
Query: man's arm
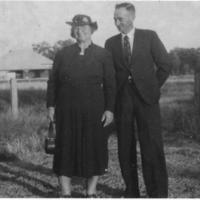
(108, 46)
(161, 59)
(109, 82)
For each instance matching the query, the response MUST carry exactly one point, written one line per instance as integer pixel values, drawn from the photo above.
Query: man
(142, 66)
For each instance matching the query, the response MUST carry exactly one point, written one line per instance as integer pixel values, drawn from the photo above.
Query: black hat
(81, 20)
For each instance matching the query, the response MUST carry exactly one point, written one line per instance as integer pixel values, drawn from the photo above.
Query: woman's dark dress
(81, 88)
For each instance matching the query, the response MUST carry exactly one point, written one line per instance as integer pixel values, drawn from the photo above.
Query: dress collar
(79, 49)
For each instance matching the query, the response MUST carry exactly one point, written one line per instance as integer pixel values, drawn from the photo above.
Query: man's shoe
(91, 196)
(131, 194)
(65, 196)
(127, 195)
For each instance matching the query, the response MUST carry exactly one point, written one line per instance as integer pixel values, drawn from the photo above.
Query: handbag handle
(52, 130)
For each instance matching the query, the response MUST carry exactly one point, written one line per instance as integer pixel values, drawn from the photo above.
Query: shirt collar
(130, 34)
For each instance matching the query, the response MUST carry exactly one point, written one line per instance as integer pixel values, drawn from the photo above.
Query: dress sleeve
(109, 82)
(52, 83)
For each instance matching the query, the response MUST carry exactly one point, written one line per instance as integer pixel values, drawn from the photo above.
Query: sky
(23, 23)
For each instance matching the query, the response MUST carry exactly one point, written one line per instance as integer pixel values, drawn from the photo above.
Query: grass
(25, 170)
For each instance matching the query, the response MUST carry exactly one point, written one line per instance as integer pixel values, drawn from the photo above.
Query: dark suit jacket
(150, 64)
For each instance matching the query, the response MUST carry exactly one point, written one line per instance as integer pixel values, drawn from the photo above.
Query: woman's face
(82, 33)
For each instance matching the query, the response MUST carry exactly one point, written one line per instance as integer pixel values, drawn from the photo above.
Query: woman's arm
(109, 82)
(52, 85)
(109, 89)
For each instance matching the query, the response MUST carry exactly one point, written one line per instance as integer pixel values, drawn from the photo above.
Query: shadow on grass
(6, 157)
(174, 170)
(18, 173)
(189, 173)
(113, 192)
(175, 139)
(32, 167)
(29, 187)
(103, 190)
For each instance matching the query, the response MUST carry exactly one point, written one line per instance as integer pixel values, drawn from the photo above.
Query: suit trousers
(131, 110)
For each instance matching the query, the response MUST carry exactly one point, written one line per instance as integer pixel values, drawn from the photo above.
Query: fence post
(197, 85)
(197, 96)
(14, 97)
(196, 90)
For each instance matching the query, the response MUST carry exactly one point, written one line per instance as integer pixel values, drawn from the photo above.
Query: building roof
(24, 59)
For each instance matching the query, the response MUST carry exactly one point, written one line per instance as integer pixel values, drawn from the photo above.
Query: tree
(188, 60)
(44, 48)
(49, 51)
(62, 43)
(176, 63)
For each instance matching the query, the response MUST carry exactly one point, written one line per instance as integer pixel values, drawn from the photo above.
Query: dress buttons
(129, 78)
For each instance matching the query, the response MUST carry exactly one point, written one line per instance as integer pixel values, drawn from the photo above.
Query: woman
(81, 90)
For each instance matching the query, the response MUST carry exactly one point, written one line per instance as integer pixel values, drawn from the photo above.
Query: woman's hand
(107, 118)
(51, 113)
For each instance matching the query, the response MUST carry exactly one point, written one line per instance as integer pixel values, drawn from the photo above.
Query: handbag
(49, 145)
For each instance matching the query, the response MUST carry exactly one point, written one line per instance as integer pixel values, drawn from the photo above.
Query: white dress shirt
(130, 35)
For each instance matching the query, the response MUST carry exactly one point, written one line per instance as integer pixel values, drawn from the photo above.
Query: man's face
(124, 19)
(82, 33)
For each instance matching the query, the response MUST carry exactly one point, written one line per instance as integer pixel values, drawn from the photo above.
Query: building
(25, 63)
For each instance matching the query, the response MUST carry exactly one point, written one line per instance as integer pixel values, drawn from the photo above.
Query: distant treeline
(48, 50)
(184, 60)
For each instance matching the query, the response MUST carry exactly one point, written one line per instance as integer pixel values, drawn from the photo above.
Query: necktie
(127, 50)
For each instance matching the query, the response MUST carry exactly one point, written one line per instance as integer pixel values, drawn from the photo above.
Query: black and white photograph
(99, 99)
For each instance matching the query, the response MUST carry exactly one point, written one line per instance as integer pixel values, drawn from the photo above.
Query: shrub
(181, 119)
(20, 136)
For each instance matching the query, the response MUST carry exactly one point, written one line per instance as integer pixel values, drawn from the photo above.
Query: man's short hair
(127, 5)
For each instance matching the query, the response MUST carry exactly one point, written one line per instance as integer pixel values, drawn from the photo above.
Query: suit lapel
(137, 42)
(137, 45)
(119, 48)
(119, 51)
